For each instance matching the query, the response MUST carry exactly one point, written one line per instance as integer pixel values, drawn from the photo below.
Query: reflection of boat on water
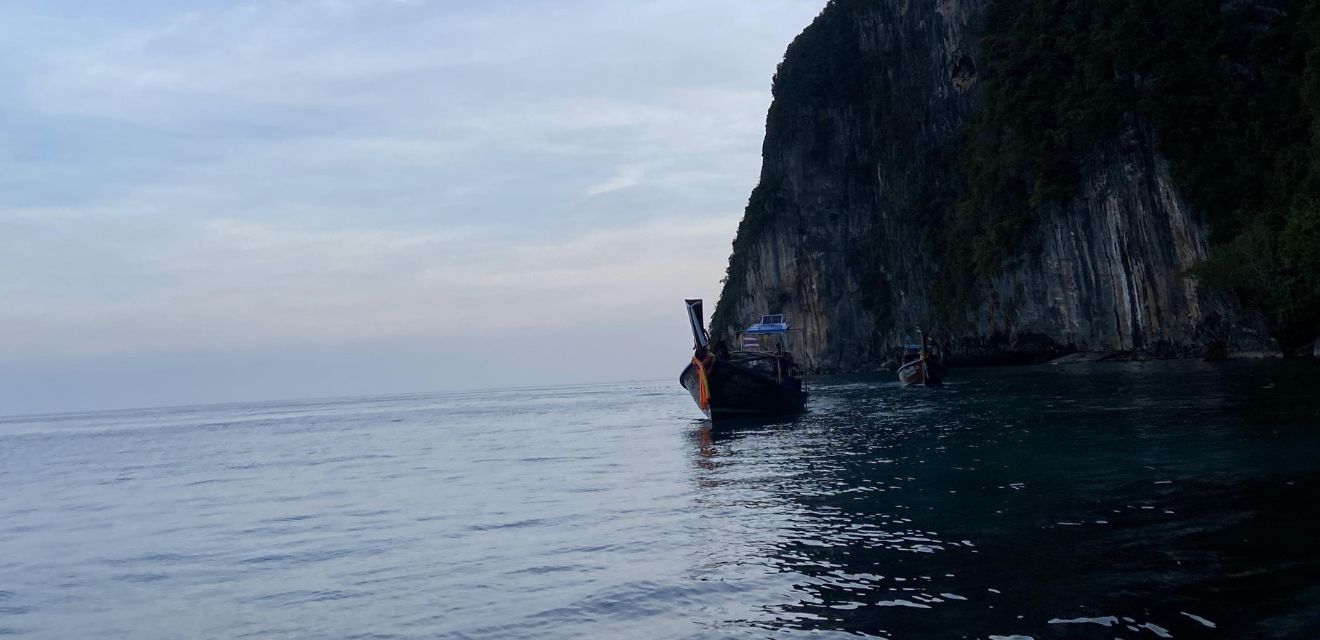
(922, 363)
(759, 380)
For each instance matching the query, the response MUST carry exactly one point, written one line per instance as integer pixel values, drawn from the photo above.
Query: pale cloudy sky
(226, 200)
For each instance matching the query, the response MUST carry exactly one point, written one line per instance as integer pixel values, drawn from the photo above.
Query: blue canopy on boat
(769, 325)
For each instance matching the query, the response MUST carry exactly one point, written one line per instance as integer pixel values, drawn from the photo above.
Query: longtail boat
(922, 364)
(758, 380)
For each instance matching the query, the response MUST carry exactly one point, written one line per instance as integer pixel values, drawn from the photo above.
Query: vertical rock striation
(867, 99)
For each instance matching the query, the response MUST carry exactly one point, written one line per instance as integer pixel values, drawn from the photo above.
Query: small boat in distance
(922, 363)
(760, 380)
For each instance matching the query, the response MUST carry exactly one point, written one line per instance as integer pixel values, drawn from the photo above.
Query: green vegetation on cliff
(824, 66)
(830, 81)
(1230, 90)
(1220, 83)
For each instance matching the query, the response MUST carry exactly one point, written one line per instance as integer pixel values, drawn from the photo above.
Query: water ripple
(1024, 503)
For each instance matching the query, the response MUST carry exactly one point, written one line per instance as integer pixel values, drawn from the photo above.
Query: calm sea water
(1148, 500)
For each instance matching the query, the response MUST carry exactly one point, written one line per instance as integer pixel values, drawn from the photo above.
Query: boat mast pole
(700, 338)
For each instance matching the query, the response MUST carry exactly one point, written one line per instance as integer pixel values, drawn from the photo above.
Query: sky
(218, 201)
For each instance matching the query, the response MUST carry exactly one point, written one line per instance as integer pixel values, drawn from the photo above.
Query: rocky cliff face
(829, 236)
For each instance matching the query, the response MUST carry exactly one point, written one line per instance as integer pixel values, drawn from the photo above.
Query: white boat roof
(770, 324)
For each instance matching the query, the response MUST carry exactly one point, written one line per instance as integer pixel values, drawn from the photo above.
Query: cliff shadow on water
(1036, 178)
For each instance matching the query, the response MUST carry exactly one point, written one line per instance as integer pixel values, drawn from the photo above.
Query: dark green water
(1101, 501)
(1173, 499)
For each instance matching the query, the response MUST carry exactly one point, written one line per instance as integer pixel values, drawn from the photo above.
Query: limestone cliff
(868, 97)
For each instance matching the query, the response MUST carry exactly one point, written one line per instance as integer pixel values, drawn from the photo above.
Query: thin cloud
(626, 177)
(245, 284)
(326, 172)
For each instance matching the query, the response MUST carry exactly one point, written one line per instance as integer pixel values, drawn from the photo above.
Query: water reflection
(1143, 500)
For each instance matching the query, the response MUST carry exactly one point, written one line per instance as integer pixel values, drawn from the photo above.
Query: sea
(1110, 500)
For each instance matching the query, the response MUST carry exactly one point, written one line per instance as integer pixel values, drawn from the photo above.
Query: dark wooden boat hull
(923, 372)
(739, 392)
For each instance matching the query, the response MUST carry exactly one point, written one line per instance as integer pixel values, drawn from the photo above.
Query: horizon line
(9, 418)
